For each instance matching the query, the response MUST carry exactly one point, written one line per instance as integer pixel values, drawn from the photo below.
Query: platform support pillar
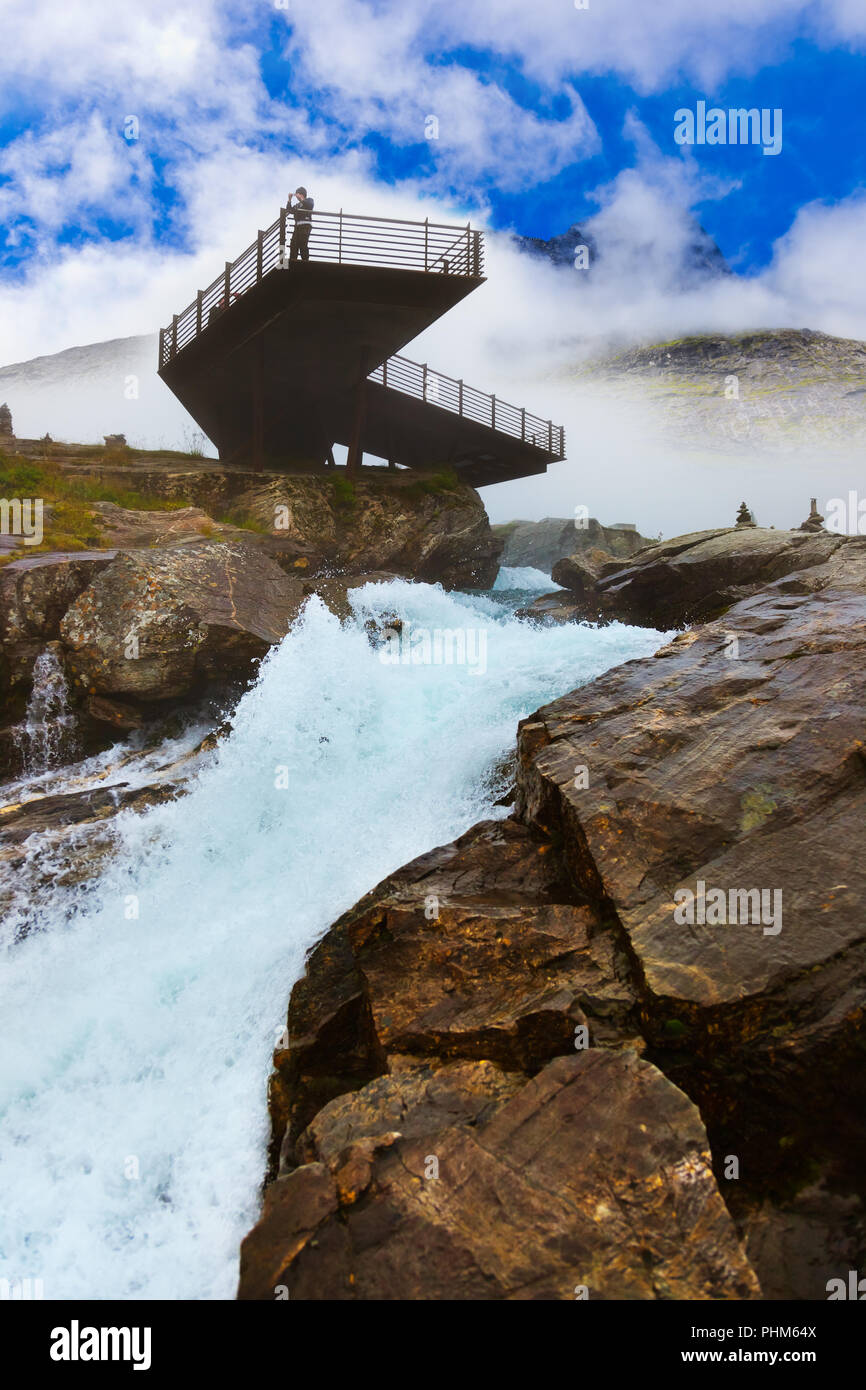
(356, 451)
(258, 405)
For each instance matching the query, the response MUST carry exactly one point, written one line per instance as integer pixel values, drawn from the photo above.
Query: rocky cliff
(425, 525)
(610, 1047)
(540, 544)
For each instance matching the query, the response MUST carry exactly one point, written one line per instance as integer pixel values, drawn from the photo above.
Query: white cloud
(381, 69)
(649, 44)
(231, 152)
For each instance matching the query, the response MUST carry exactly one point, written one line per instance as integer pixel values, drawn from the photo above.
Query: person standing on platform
(303, 215)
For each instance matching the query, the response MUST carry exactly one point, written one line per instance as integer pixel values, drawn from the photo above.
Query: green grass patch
(436, 484)
(73, 523)
(243, 521)
(344, 493)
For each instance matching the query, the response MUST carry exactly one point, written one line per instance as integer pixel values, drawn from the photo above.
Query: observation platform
(277, 361)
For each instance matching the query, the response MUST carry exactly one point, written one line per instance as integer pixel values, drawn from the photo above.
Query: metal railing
(344, 238)
(450, 393)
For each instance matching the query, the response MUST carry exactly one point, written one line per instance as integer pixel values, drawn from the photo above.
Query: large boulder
(156, 624)
(593, 1179)
(581, 572)
(732, 764)
(431, 1113)
(691, 578)
(478, 949)
(35, 593)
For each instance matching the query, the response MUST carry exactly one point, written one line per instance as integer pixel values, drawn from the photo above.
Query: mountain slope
(701, 256)
(777, 390)
(86, 392)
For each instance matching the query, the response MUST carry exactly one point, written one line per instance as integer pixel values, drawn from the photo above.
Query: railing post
(260, 254)
(476, 239)
(550, 436)
(227, 285)
(173, 334)
(468, 240)
(460, 397)
(198, 299)
(340, 240)
(282, 238)
(523, 424)
(385, 372)
(424, 382)
(493, 412)
(161, 346)
(426, 239)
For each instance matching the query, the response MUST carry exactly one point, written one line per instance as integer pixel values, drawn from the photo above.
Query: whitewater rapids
(133, 1115)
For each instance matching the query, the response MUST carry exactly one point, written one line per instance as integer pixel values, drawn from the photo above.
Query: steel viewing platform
(277, 361)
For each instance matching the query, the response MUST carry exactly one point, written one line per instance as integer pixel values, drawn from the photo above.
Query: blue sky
(548, 115)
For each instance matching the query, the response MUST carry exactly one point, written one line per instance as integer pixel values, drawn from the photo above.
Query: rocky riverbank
(610, 1047)
(160, 580)
(686, 579)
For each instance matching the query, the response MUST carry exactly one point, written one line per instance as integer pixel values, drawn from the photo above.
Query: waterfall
(140, 1015)
(49, 734)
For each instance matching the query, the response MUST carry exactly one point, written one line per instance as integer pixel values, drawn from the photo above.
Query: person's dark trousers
(299, 243)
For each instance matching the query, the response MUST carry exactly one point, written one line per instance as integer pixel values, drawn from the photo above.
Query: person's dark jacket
(302, 212)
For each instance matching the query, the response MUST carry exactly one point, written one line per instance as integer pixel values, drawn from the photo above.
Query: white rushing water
(139, 1018)
(49, 729)
(526, 578)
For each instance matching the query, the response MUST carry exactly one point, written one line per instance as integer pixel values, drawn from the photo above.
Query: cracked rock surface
(510, 1072)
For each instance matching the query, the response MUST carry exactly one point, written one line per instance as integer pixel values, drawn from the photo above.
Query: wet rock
(157, 623)
(479, 949)
(66, 809)
(35, 593)
(695, 577)
(796, 1247)
(580, 573)
(463, 1182)
(114, 712)
(735, 759)
(558, 607)
(52, 841)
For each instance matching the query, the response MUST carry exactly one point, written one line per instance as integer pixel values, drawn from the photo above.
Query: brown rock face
(156, 623)
(415, 1035)
(735, 759)
(479, 949)
(580, 573)
(421, 526)
(592, 1179)
(127, 528)
(691, 578)
(34, 595)
(442, 1131)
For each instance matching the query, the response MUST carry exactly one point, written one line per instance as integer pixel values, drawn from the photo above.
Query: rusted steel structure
(279, 360)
